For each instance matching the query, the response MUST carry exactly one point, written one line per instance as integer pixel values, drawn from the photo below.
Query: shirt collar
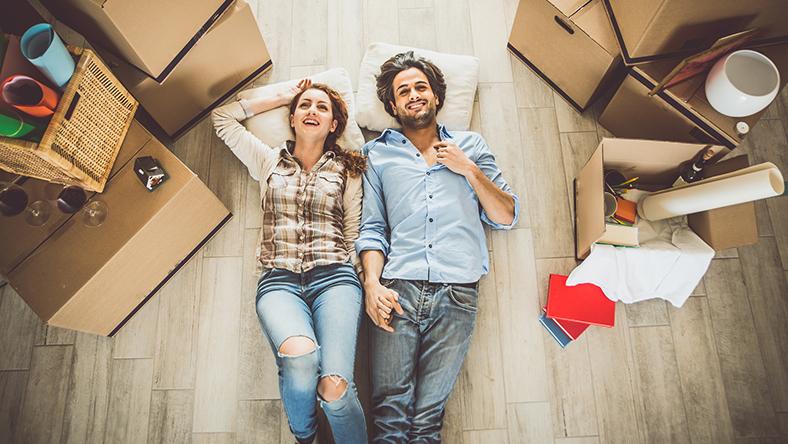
(395, 134)
(286, 152)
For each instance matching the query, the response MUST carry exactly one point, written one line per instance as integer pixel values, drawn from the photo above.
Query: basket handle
(72, 106)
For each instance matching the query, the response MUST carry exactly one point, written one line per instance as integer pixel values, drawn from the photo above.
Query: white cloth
(668, 264)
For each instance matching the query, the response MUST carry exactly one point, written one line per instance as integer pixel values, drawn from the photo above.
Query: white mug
(742, 83)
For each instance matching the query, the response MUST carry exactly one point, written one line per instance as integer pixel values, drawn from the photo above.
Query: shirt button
(428, 173)
(430, 219)
(430, 245)
(418, 155)
(430, 196)
(403, 142)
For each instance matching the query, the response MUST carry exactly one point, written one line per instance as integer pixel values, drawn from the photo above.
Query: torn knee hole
(331, 387)
(296, 346)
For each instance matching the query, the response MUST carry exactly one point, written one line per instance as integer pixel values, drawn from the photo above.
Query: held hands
(379, 302)
(454, 158)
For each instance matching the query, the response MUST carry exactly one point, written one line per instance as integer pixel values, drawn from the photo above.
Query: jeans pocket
(464, 297)
(387, 282)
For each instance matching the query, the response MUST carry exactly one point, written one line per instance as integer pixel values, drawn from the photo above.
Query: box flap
(589, 203)
(654, 162)
(568, 7)
(592, 19)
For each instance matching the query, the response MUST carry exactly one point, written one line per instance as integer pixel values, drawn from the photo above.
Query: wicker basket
(85, 134)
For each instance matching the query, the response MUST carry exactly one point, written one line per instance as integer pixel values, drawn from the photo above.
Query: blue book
(555, 330)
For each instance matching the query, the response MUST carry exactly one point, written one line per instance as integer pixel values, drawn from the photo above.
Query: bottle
(693, 171)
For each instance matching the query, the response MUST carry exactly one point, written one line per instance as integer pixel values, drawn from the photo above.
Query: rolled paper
(29, 96)
(753, 183)
(13, 125)
(42, 46)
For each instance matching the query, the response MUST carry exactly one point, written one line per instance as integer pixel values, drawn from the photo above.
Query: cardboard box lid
(654, 162)
(26, 239)
(649, 30)
(90, 279)
(212, 72)
(592, 19)
(569, 7)
(150, 34)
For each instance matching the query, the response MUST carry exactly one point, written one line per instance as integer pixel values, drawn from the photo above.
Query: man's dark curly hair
(402, 62)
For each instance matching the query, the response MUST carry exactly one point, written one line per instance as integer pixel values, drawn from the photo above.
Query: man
(423, 192)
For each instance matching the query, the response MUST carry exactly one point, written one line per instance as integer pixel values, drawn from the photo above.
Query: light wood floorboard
(193, 366)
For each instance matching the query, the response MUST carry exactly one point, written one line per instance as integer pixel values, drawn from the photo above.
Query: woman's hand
(287, 95)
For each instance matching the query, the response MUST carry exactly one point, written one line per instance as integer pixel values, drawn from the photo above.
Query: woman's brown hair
(353, 163)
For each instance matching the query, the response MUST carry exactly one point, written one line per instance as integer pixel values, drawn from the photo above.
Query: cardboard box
(228, 57)
(570, 45)
(681, 113)
(96, 279)
(151, 35)
(25, 239)
(650, 30)
(657, 165)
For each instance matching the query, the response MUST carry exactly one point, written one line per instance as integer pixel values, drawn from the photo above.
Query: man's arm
(497, 203)
(372, 246)
(378, 299)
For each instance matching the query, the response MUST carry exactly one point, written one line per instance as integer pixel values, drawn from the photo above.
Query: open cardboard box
(152, 35)
(657, 165)
(650, 30)
(229, 56)
(569, 44)
(95, 279)
(682, 112)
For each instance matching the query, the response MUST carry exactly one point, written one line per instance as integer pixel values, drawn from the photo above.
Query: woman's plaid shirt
(303, 215)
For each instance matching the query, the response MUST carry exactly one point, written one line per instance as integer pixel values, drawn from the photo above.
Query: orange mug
(29, 96)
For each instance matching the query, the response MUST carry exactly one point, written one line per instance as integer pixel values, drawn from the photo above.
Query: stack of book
(570, 310)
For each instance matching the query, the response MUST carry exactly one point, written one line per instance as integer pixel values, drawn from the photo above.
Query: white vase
(742, 83)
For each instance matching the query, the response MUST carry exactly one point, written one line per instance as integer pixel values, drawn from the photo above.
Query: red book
(572, 329)
(584, 303)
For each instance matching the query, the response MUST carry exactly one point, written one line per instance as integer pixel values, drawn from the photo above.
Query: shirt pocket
(280, 177)
(329, 183)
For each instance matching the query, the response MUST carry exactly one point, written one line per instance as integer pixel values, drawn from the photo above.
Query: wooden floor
(193, 365)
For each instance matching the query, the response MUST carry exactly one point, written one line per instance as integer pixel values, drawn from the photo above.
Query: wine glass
(13, 201)
(71, 199)
(95, 213)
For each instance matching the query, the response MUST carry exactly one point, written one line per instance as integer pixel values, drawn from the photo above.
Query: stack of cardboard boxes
(583, 48)
(180, 59)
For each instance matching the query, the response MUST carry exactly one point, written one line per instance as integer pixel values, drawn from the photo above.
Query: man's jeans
(415, 367)
(323, 304)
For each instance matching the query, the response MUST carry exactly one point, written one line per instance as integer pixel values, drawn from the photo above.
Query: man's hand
(379, 303)
(454, 158)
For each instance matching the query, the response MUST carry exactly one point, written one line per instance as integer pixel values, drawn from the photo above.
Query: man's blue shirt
(426, 220)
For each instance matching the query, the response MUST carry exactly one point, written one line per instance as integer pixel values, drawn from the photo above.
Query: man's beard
(419, 121)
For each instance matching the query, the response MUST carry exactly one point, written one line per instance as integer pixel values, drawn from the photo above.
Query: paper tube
(13, 125)
(753, 183)
(29, 96)
(42, 46)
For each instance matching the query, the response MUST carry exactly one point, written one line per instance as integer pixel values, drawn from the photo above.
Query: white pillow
(461, 74)
(273, 127)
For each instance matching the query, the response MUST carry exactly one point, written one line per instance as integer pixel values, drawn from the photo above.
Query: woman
(308, 296)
